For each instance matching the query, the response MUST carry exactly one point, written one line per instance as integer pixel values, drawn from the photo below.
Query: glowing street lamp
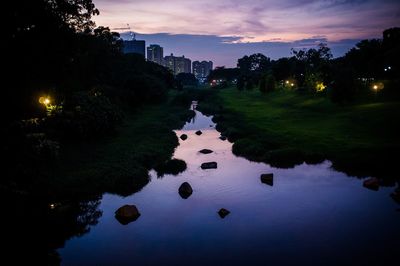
(320, 86)
(377, 86)
(44, 100)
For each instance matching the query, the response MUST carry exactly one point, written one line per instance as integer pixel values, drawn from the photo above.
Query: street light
(377, 86)
(45, 100)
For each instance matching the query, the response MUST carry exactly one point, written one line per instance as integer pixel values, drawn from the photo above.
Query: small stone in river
(205, 151)
(127, 214)
(198, 132)
(185, 190)
(183, 137)
(372, 183)
(223, 212)
(222, 138)
(209, 165)
(267, 179)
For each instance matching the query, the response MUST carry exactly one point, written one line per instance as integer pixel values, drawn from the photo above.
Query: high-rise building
(134, 47)
(155, 53)
(202, 69)
(178, 64)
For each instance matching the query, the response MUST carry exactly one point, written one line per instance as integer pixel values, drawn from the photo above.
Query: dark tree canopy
(255, 62)
(227, 74)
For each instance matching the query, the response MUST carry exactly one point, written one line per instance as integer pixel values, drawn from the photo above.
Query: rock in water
(205, 151)
(127, 214)
(267, 179)
(372, 183)
(223, 212)
(183, 137)
(198, 132)
(185, 190)
(209, 165)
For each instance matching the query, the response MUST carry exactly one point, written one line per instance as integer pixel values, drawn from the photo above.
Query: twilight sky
(225, 30)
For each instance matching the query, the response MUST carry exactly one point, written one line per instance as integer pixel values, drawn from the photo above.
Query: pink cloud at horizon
(225, 30)
(253, 20)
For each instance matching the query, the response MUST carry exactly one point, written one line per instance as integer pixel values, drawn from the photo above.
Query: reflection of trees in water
(71, 219)
(35, 228)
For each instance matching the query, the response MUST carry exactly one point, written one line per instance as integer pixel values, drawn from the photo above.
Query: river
(311, 215)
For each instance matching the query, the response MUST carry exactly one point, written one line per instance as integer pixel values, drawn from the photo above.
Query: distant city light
(287, 82)
(375, 87)
(292, 84)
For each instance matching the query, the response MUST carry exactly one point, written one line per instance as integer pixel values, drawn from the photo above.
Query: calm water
(312, 215)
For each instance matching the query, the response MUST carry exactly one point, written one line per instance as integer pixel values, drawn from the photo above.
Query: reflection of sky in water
(311, 215)
(199, 122)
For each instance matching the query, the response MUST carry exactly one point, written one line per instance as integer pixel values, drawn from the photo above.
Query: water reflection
(35, 228)
(311, 215)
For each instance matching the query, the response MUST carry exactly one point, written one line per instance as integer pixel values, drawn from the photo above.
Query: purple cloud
(225, 30)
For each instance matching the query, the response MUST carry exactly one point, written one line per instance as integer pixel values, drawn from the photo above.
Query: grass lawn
(285, 128)
(119, 163)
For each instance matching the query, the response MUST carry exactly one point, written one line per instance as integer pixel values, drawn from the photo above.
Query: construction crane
(131, 33)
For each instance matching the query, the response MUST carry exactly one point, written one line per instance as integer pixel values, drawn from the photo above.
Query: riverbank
(120, 163)
(116, 163)
(287, 128)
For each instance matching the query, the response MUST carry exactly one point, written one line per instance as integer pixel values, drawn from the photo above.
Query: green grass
(120, 162)
(285, 128)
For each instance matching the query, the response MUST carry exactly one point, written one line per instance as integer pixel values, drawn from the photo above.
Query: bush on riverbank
(116, 162)
(172, 167)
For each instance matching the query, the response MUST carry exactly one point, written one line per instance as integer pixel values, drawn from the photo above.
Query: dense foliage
(67, 81)
(368, 70)
(53, 48)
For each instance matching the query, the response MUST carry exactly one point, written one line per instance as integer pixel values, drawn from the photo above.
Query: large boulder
(198, 132)
(185, 190)
(267, 179)
(372, 183)
(223, 212)
(205, 151)
(127, 214)
(183, 137)
(209, 165)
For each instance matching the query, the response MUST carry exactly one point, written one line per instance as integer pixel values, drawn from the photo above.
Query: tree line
(65, 80)
(367, 68)
(55, 49)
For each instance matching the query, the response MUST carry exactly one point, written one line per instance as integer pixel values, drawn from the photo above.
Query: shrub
(85, 116)
(173, 166)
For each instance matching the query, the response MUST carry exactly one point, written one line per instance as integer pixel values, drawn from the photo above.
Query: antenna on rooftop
(132, 35)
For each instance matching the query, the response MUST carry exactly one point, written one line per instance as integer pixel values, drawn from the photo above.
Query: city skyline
(227, 30)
